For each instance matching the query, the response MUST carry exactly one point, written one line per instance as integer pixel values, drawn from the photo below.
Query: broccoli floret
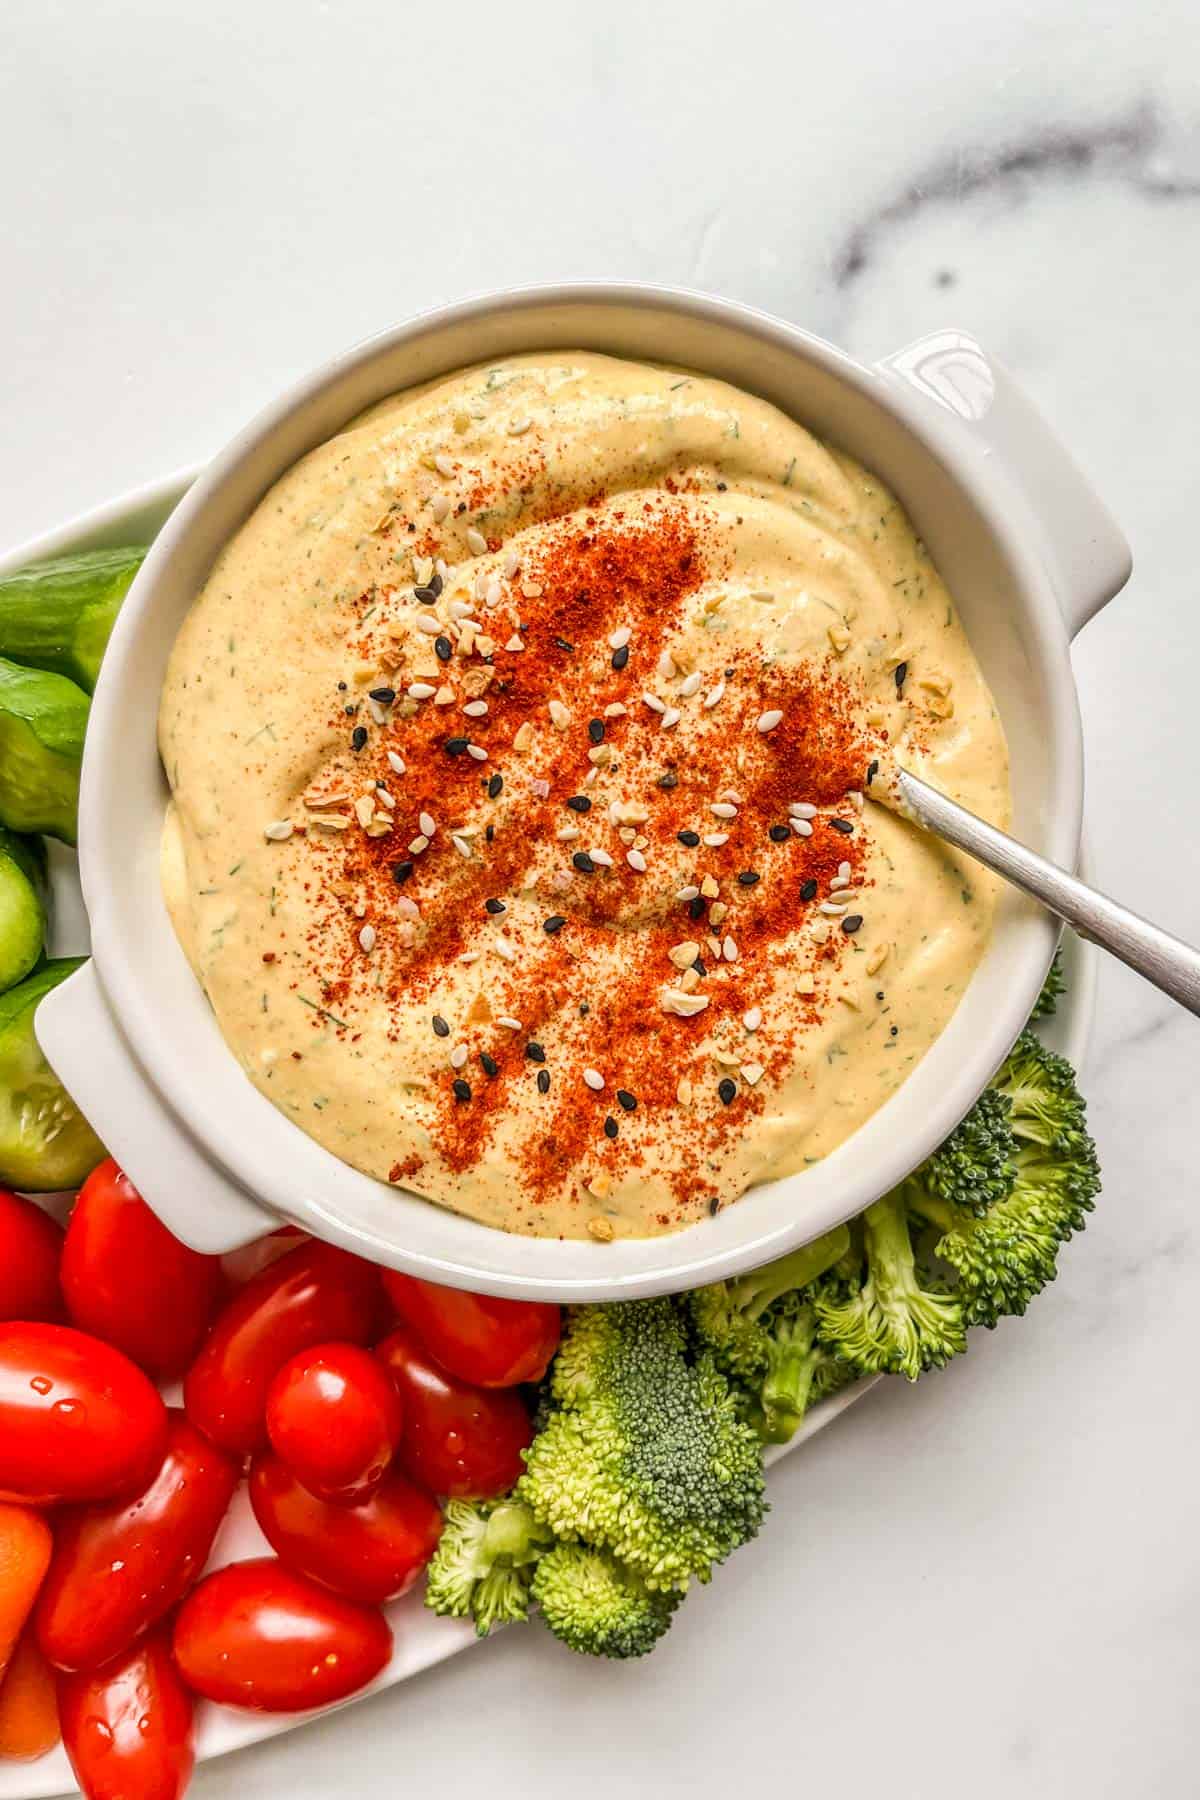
(974, 1167)
(484, 1563)
(1053, 989)
(646, 1455)
(761, 1333)
(1047, 1107)
(596, 1606)
(891, 1322)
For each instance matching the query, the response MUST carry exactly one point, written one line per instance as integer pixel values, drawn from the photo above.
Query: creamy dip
(521, 747)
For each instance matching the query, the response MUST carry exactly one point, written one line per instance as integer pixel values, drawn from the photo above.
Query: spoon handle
(1164, 960)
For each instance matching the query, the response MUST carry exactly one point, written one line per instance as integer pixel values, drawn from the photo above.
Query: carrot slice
(28, 1703)
(25, 1546)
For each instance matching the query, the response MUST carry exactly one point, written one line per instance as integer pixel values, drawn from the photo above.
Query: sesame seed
(749, 878)
(801, 809)
(844, 869)
(406, 908)
(428, 624)
(509, 1023)
(901, 674)
(455, 746)
(729, 949)
(594, 1079)
(579, 803)
(727, 1090)
(462, 1089)
(420, 690)
(654, 703)
(602, 859)
(636, 861)
(690, 838)
(553, 924)
(666, 665)
(366, 938)
(838, 881)
(458, 1056)
(426, 822)
(851, 923)
(567, 834)
(872, 771)
(495, 786)
(535, 1052)
(439, 506)
(626, 1100)
(620, 657)
(723, 809)
(460, 844)
(278, 830)
(443, 464)
(504, 949)
(476, 709)
(833, 906)
(494, 906)
(688, 893)
(691, 685)
(477, 753)
(512, 563)
(476, 542)
(396, 763)
(490, 1065)
(845, 826)
(696, 907)
(619, 638)
(752, 1019)
(596, 730)
(543, 1081)
(610, 1127)
(808, 890)
(383, 695)
(493, 593)
(714, 696)
(769, 720)
(440, 1026)
(418, 845)
(667, 781)
(401, 872)
(519, 424)
(714, 839)
(583, 862)
(802, 827)
(358, 737)
(778, 834)
(671, 717)
(444, 648)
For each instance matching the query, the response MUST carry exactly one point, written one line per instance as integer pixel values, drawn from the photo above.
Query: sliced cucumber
(45, 1142)
(43, 718)
(22, 906)
(58, 615)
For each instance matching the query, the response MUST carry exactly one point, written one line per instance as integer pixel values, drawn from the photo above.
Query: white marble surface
(987, 1584)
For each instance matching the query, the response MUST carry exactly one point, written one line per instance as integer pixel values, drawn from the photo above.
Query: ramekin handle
(84, 1046)
(1084, 548)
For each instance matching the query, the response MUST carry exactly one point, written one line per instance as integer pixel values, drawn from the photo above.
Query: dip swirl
(521, 747)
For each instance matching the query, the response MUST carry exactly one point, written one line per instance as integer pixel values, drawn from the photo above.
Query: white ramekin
(1029, 553)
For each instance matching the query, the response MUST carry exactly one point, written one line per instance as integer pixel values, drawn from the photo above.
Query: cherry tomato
(30, 1250)
(128, 1280)
(458, 1440)
(313, 1294)
(120, 1566)
(493, 1343)
(258, 1635)
(127, 1727)
(334, 1417)
(371, 1552)
(78, 1421)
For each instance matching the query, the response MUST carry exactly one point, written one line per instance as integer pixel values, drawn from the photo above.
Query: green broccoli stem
(513, 1537)
(941, 1213)
(752, 1294)
(788, 1384)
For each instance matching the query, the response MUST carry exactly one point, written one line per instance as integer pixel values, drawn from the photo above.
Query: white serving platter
(420, 1639)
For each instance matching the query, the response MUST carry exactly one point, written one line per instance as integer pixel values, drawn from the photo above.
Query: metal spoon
(1167, 961)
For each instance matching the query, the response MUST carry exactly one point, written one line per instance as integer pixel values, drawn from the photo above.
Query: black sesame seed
(668, 781)
(494, 787)
(626, 1099)
(401, 872)
(584, 1009)
(563, 645)
(851, 923)
(779, 834)
(690, 838)
(808, 890)
(610, 1127)
(895, 1031)
(358, 737)
(584, 863)
(696, 907)
(727, 1090)
(579, 803)
(490, 1065)
(535, 1052)
(494, 906)
(596, 730)
(699, 967)
(879, 993)
(749, 878)
(554, 923)
(455, 746)
(439, 1025)
(901, 674)
(349, 711)
(444, 648)
(489, 832)
(872, 772)
(714, 1206)
(620, 657)
(462, 1089)
(426, 595)
(844, 826)
(384, 695)
(341, 687)
(543, 1081)
(721, 486)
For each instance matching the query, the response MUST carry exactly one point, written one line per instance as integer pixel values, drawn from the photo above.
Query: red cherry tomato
(458, 1440)
(30, 1250)
(128, 1280)
(78, 1421)
(371, 1552)
(313, 1294)
(493, 1343)
(119, 1567)
(334, 1417)
(127, 1728)
(258, 1635)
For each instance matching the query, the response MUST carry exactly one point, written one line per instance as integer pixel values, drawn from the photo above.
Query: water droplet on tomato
(41, 1384)
(74, 1411)
(145, 1724)
(331, 1661)
(96, 1727)
(454, 1443)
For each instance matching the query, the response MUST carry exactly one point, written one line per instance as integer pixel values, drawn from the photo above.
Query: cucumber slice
(22, 906)
(58, 615)
(43, 718)
(45, 1141)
